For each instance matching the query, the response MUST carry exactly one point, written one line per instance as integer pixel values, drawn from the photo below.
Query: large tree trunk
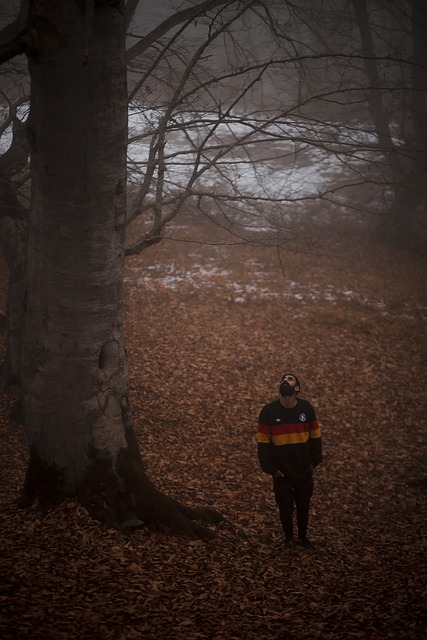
(13, 233)
(13, 240)
(74, 369)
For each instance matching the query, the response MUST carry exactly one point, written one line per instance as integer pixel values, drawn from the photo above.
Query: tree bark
(74, 368)
(13, 239)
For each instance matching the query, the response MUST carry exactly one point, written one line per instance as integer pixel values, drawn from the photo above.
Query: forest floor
(209, 330)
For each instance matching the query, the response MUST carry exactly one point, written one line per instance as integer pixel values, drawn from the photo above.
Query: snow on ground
(202, 276)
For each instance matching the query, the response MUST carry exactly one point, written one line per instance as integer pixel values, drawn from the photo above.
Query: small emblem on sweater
(302, 417)
(278, 419)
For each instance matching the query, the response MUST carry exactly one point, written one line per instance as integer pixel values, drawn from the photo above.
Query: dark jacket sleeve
(315, 440)
(265, 449)
(265, 458)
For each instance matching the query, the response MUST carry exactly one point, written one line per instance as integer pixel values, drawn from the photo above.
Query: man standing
(289, 448)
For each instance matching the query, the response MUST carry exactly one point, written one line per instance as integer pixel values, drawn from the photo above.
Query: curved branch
(184, 15)
(14, 40)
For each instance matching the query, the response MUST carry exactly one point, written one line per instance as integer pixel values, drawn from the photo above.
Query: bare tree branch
(185, 15)
(14, 38)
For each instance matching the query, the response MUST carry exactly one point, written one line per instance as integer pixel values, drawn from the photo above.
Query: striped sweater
(289, 439)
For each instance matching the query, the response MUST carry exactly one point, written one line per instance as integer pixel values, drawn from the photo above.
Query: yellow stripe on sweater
(290, 438)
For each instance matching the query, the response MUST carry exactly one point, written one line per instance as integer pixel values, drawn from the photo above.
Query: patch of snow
(202, 277)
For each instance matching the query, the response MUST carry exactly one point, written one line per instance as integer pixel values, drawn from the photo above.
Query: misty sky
(149, 12)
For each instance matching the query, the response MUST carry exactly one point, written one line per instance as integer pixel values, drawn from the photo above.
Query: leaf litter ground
(209, 330)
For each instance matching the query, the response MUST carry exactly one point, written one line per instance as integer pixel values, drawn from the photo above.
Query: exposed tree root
(158, 510)
(120, 496)
(43, 483)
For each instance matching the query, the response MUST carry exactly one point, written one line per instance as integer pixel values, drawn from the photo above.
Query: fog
(286, 104)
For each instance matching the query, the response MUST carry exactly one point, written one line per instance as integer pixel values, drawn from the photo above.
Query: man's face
(288, 385)
(289, 379)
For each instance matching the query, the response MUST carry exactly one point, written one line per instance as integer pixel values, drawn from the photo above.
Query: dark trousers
(290, 494)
